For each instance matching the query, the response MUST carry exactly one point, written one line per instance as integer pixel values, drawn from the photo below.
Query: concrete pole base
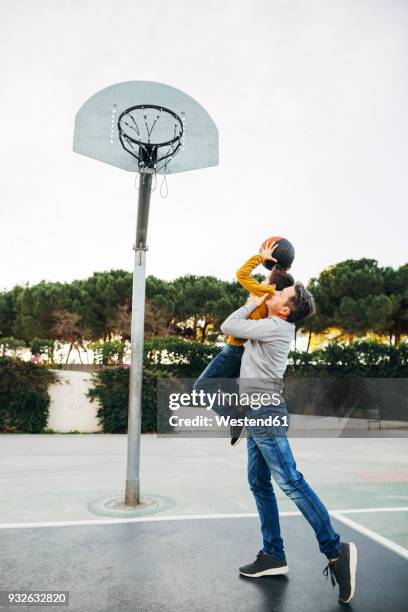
(116, 506)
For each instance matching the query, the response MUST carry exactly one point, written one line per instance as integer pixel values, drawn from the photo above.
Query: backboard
(97, 133)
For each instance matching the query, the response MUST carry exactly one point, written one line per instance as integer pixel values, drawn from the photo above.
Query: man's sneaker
(264, 565)
(343, 570)
(237, 433)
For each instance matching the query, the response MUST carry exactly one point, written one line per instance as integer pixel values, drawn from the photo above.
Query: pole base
(116, 506)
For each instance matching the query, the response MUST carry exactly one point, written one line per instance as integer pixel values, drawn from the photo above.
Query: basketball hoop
(152, 135)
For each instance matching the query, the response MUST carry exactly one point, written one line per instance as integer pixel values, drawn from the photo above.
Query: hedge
(164, 358)
(178, 358)
(24, 398)
(111, 389)
(362, 359)
(366, 359)
(349, 380)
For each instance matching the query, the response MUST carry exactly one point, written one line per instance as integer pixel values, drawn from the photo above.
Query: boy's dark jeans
(225, 365)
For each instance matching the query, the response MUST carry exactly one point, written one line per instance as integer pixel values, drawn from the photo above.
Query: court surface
(184, 552)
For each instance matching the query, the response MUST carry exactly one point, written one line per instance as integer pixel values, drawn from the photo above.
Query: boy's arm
(249, 282)
(240, 326)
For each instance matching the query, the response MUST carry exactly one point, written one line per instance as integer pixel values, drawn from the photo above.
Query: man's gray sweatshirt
(266, 351)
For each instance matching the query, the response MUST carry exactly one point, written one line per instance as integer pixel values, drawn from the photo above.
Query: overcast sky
(310, 99)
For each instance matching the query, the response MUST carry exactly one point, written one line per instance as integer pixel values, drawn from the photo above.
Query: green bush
(11, 345)
(24, 398)
(365, 359)
(163, 358)
(111, 389)
(348, 380)
(361, 359)
(45, 348)
(109, 351)
(178, 357)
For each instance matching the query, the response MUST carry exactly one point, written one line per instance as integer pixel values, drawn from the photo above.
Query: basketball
(284, 252)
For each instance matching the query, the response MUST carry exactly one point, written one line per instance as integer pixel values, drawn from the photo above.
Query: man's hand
(254, 299)
(266, 254)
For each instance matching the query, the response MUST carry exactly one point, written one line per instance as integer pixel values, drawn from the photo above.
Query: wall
(70, 409)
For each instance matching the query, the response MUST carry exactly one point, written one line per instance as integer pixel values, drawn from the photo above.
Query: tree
(202, 302)
(357, 297)
(8, 301)
(68, 329)
(97, 299)
(156, 321)
(396, 285)
(34, 309)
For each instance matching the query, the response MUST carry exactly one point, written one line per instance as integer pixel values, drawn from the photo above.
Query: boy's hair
(281, 279)
(302, 305)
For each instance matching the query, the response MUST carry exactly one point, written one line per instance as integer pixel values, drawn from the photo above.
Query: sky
(310, 101)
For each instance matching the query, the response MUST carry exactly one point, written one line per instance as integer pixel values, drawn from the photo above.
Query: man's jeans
(270, 455)
(225, 365)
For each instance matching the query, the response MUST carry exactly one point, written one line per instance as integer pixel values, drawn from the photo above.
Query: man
(269, 454)
(227, 363)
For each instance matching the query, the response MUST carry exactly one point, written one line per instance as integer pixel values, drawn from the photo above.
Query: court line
(180, 517)
(373, 535)
(364, 510)
(137, 519)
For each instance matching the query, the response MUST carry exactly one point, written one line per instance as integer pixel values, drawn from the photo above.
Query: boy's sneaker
(264, 565)
(343, 571)
(237, 433)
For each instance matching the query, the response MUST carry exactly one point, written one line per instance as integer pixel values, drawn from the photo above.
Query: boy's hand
(254, 299)
(266, 254)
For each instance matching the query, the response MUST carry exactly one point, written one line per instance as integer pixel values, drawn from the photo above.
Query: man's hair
(301, 305)
(281, 279)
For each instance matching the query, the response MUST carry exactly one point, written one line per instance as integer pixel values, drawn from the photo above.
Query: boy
(227, 363)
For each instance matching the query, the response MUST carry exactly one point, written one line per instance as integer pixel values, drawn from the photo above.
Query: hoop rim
(149, 144)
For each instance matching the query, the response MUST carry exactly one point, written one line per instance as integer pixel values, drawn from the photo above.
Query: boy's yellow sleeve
(249, 282)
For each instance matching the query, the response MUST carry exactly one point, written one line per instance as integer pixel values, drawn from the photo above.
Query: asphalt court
(191, 564)
(184, 554)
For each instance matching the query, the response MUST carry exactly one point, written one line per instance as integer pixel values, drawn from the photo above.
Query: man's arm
(240, 326)
(249, 282)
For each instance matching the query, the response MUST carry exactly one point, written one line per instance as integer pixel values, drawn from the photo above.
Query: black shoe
(264, 565)
(343, 570)
(237, 433)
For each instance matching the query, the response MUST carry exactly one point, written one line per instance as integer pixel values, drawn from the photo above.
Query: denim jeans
(225, 365)
(271, 455)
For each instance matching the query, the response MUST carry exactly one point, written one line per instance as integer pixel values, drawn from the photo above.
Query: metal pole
(132, 493)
